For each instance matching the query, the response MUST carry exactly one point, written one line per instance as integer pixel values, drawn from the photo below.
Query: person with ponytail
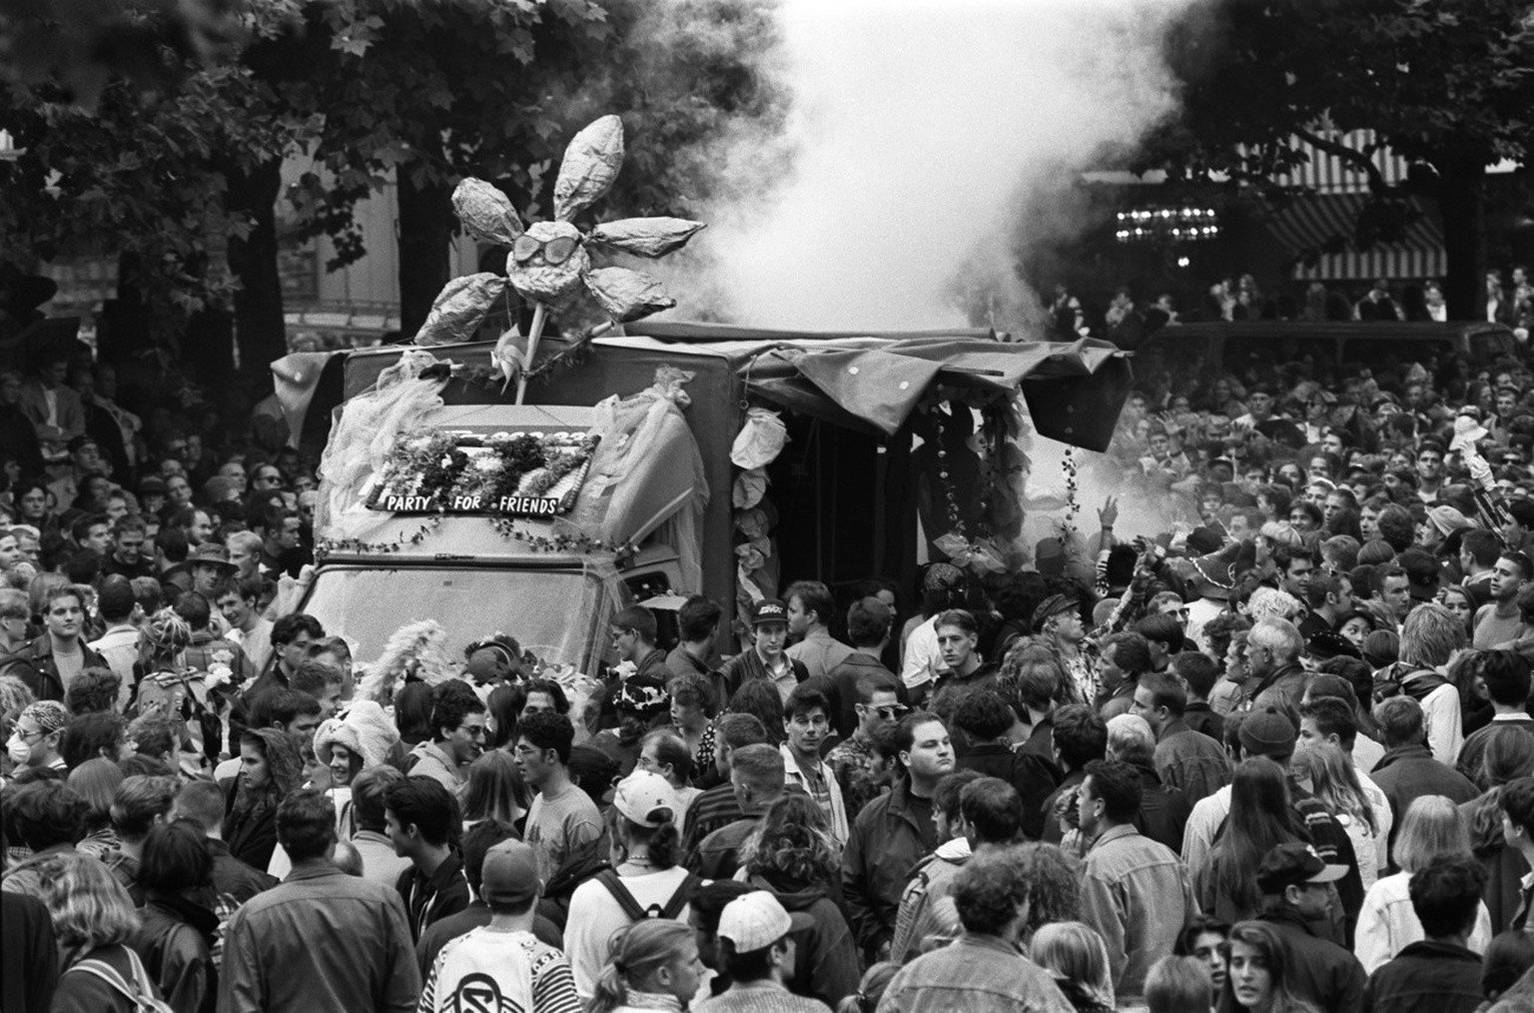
(645, 881)
(654, 966)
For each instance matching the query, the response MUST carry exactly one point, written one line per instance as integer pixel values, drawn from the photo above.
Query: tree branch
(1359, 159)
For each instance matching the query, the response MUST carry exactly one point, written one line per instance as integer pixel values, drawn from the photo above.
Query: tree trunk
(259, 328)
(425, 230)
(1462, 200)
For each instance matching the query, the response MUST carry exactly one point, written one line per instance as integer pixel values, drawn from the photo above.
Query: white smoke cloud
(922, 137)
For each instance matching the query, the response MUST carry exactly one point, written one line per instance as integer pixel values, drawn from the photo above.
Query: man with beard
(127, 556)
(894, 831)
(1331, 603)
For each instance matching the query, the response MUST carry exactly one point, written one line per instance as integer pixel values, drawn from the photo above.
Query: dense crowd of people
(1509, 300)
(1272, 753)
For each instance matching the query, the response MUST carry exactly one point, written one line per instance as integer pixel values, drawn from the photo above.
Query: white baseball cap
(640, 795)
(756, 920)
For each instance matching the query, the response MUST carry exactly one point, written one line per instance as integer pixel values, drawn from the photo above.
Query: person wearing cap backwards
(984, 970)
(1293, 880)
(502, 965)
(766, 659)
(646, 876)
(757, 953)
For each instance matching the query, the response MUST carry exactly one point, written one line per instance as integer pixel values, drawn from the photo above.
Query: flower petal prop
(486, 212)
(627, 295)
(590, 165)
(459, 309)
(646, 237)
(550, 264)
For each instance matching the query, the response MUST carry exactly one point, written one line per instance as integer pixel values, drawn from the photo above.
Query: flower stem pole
(540, 315)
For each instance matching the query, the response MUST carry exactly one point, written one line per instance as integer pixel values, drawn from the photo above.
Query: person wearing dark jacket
(30, 957)
(984, 718)
(201, 804)
(895, 831)
(1293, 880)
(47, 664)
(270, 770)
(1440, 974)
(1080, 737)
(422, 815)
(1408, 771)
(179, 928)
(1163, 811)
(793, 857)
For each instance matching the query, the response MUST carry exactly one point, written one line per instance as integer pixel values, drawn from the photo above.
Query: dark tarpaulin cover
(1074, 390)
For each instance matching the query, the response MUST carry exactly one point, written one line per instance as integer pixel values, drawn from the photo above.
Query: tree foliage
(1449, 84)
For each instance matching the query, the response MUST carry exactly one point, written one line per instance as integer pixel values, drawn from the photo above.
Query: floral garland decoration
(1072, 505)
(330, 546)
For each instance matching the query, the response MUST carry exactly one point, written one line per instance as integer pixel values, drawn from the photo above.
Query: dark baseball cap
(510, 874)
(767, 611)
(1295, 864)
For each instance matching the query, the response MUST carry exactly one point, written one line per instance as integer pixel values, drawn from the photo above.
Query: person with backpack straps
(94, 921)
(644, 882)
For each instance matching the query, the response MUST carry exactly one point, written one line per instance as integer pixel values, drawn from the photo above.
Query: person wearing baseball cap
(1296, 886)
(767, 658)
(758, 953)
(504, 955)
(1058, 619)
(649, 882)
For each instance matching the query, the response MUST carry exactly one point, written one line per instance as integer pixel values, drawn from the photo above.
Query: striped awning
(1315, 220)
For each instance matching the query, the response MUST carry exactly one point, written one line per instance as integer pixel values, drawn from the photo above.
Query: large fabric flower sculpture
(550, 263)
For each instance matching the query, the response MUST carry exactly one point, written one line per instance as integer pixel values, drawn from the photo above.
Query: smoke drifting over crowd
(922, 139)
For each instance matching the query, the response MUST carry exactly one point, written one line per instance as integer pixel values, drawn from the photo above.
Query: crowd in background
(1272, 751)
(1509, 300)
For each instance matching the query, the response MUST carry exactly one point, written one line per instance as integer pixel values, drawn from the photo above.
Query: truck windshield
(550, 612)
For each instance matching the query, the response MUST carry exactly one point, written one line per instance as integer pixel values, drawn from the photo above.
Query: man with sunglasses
(34, 741)
(858, 769)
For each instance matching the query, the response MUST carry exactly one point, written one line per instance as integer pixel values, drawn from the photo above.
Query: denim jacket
(1135, 893)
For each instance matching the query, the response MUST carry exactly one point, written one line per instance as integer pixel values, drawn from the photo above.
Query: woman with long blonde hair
(1075, 955)
(1387, 924)
(1331, 777)
(93, 921)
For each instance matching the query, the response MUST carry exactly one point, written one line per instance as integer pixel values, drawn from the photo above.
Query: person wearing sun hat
(1295, 882)
(758, 954)
(646, 877)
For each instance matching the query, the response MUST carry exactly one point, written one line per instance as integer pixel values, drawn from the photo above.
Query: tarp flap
(880, 387)
(877, 389)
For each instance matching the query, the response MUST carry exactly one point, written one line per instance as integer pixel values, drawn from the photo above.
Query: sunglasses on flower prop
(555, 251)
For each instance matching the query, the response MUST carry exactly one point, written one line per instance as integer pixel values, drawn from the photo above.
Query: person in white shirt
(119, 644)
(942, 589)
(1430, 638)
(237, 600)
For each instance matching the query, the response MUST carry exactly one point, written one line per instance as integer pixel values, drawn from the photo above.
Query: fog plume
(926, 144)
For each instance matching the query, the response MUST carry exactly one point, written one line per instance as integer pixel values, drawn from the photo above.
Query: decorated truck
(679, 458)
(638, 459)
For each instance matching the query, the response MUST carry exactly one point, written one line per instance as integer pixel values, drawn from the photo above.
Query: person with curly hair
(271, 769)
(792, 855)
